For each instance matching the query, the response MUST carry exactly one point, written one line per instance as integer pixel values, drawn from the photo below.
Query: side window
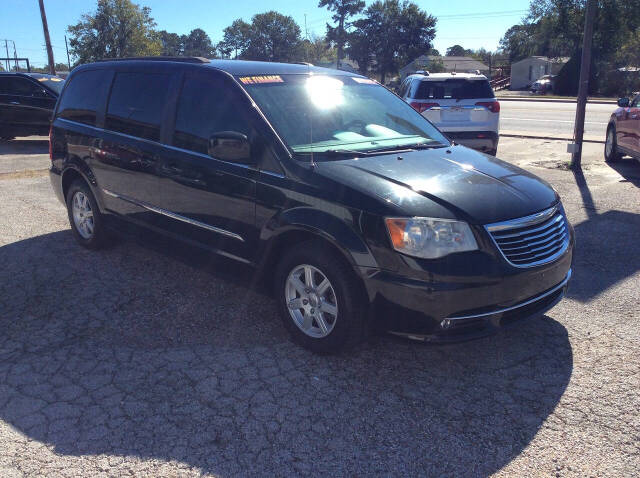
(136, 104)
(635, 102)
(19, 86)
(84, 96)
(206, 106)
(4, 85)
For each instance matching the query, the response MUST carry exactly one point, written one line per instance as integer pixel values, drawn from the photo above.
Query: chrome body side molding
(173, 215)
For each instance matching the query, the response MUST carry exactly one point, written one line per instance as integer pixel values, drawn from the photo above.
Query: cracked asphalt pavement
(146, 359)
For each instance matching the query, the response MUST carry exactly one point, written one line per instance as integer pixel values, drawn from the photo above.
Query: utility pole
(47, 40)
(67, 47)
(7, 60)
(583, 88)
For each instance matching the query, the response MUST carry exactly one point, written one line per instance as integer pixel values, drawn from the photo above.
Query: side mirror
(623, 102)
(230, 146)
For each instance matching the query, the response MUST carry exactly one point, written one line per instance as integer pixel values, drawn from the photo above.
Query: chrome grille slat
(535, 256)
(557, 227)
(549, 245)
(528, 231)
(552, 237)
(532, 240)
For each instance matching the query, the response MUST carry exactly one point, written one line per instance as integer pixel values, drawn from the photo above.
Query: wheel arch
(72, 173)
(305, 223)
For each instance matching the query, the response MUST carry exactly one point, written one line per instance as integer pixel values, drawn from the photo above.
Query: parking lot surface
(147, 359)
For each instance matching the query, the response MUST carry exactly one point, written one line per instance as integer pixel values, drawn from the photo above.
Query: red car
(623, 132)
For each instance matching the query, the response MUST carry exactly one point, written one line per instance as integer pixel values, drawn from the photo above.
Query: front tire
(321, 302)
(611, 153)
(87, 223)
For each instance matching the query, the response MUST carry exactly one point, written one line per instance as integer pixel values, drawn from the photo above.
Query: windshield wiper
(344, 152)
(408, 147)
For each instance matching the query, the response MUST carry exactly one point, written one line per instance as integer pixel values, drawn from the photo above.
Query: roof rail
(183, 59)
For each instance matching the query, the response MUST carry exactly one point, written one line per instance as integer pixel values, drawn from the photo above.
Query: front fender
(333, 229)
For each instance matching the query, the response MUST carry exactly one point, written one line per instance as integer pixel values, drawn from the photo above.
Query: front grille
(532, 240)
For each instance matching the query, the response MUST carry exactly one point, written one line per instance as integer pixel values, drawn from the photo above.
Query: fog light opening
(445, 324)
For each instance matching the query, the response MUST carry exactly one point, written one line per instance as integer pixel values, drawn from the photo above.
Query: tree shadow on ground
(132, 353)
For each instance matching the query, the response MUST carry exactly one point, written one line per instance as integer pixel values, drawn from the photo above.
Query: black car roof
(31, 75)
(233, 67)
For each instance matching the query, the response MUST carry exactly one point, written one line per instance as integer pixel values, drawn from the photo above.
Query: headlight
(428, 237)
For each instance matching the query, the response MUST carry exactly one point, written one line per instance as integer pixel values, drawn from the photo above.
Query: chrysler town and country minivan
(357, 206)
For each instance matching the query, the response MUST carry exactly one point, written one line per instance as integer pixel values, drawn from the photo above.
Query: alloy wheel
(311, 301)
(608, 147)
(82, 215)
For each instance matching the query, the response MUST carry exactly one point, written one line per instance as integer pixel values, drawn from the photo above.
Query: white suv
(461, 105)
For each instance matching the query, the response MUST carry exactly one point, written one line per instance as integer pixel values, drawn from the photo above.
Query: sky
(469, 23)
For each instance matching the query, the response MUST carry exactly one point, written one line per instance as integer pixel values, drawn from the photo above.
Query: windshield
(316, 114)
(455, 88)
(52, 82)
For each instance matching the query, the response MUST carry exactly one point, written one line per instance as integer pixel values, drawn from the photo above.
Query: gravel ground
(147, 360)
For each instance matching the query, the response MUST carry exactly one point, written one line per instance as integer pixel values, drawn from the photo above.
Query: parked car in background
(543, 85)
(26, 103)
(347, 198)
(623, 131)
(461, 105)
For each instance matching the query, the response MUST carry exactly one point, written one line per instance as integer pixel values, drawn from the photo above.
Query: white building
(525, 72)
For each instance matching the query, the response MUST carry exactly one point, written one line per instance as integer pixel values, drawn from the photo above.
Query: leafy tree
(317, 50)
(171, 43)
(198, 43)
(457, 50)
(118, 28)
(398, 32)
(516, 42)
(342, 10)
(235, 39)
(271, 36)
(629, 54)
(554, 28)
(45, 69)
(361, 49)
(436, 66)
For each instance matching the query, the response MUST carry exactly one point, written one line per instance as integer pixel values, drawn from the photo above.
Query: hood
(470, 185)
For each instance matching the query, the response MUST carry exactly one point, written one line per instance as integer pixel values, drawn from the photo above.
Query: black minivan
(26, 103)
(357, 206)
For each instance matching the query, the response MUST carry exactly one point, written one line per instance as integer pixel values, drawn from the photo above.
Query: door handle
(14, 102)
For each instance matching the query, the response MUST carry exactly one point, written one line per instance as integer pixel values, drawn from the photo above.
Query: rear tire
(87, 223)
(324, 317)
(611, 153)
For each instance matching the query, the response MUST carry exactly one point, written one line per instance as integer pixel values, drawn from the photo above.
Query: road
(146, 360)
(546, 118)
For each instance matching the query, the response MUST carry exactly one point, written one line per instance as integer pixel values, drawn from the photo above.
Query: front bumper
(471, 296)
(464, 327)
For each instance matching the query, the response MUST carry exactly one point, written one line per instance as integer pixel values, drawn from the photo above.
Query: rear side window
(207, 106)
(17, 86)
(84, 96)
(136, 104)
(455, 88)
